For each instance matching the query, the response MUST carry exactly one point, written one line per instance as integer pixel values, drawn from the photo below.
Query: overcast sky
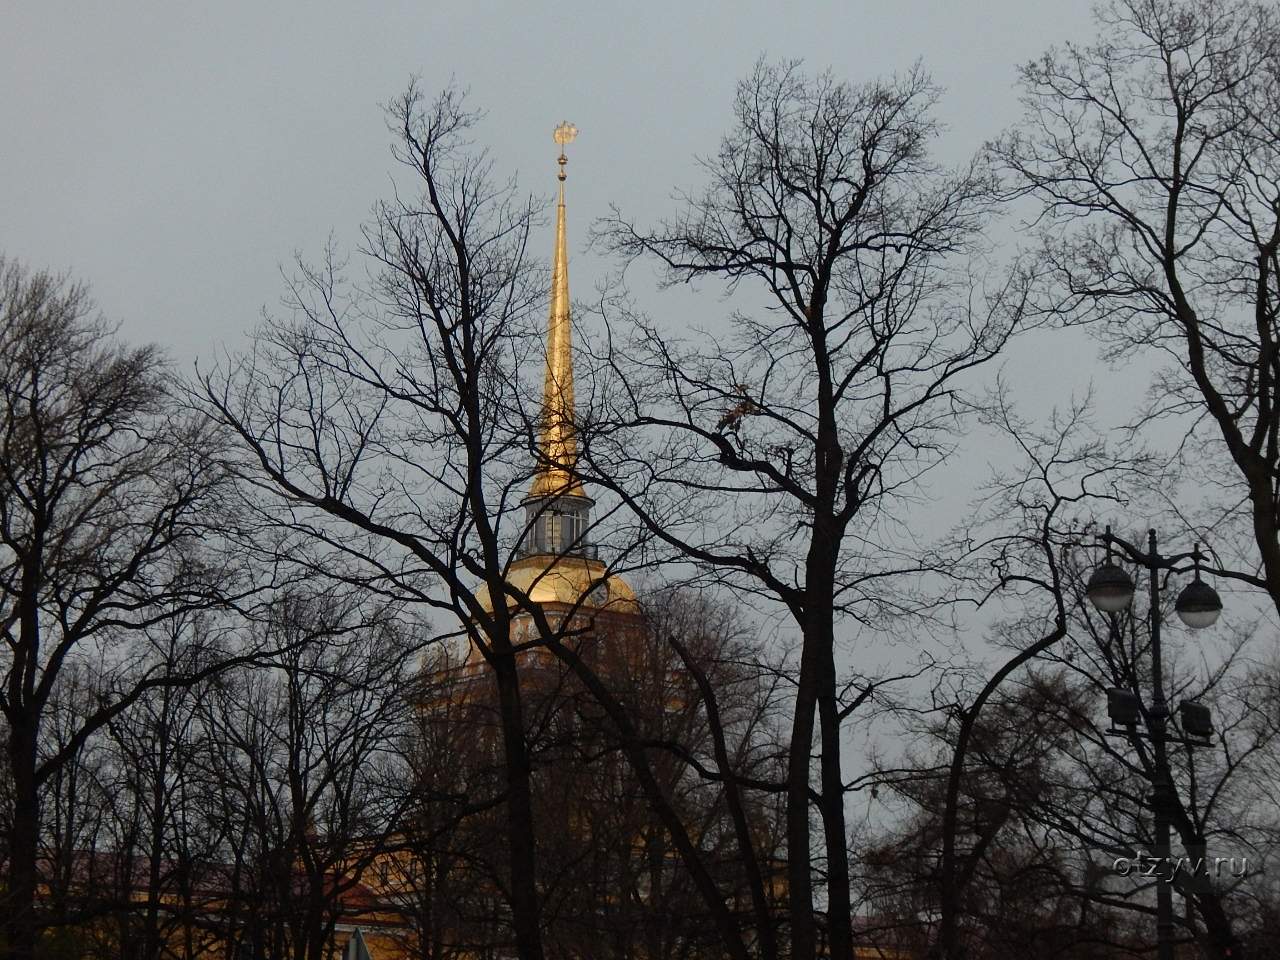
(174, 154)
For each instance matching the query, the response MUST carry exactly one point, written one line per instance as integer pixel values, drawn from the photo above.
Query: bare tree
(1022, 892)
(389, 428)
(304, 756)
(77, 874)
(1044, 770)
(1153, 155)
(447, 875)
(164, 848)
(772, 454)
(647, 774)
(1030, 779)
(102, 489)
(1035, 507)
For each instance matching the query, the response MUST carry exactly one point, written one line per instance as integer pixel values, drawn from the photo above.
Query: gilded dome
(568, 580)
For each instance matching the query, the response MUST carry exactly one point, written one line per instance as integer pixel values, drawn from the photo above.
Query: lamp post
(1111, 590)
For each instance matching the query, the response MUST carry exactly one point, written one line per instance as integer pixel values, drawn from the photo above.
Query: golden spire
(557, 445)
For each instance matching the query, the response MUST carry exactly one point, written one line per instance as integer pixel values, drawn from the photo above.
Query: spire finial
(565, 133)
(558, 446)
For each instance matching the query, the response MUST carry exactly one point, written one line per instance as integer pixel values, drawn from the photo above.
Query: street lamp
(1198, 605)
(1111, 590)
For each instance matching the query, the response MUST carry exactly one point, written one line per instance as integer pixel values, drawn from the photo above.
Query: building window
(571, 527)
(555, 530)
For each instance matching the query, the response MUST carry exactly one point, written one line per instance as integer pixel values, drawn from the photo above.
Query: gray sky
(174, 154)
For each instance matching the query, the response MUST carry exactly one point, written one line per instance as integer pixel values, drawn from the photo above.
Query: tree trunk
(1219, 940)
(947, 946)
(525, 915)
(819, 641)
(151, 931)
(799, 885)
(21, 929)
(839, 909)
